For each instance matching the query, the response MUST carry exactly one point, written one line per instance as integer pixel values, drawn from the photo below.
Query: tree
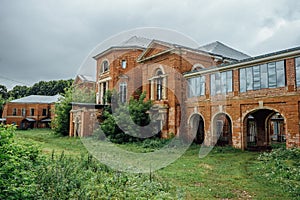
(120, 128)
(19, 92)
(63, 107)
(3, 92)
(3, 97)
(50, 88)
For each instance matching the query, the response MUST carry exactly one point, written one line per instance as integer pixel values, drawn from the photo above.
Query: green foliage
(281, 167)
(19, 92)
(24, 174)
(126, 121)
(3, 92)
(17, 166)
(63, 107)
(65, 177)
(61, 121)
(50, 88)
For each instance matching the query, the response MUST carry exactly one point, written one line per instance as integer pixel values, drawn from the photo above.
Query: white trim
(104, 80)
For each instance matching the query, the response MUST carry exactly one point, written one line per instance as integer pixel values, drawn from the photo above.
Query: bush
(281, 166)
(25, 174)
(17, 166)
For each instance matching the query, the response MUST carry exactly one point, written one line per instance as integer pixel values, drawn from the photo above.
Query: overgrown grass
(225, 173)
(49, 141)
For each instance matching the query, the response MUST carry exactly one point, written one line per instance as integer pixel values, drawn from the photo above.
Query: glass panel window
(218, 83)
(124, 64)
(212, 84)
(242, 80)
(256, 78)
(272, 75)
(196, 86)
(123, 92)
(280, 73)
(159, 89)
(202, 85)
(264, 76)
(223, 83)
(229, 81)
(44, 112)
(297, 65)
(32, 112)
(105, 66)
(23, 111)
(14, 113)
(249, 78)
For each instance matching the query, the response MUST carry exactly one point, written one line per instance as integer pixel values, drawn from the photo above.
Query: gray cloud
(45, 40)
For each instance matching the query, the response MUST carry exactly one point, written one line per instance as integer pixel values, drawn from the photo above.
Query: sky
(51, 39)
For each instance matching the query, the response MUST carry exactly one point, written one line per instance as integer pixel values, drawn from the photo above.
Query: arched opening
(263, 128)
(158, 84)
(197, 128)
(222, 129)
(105, 66)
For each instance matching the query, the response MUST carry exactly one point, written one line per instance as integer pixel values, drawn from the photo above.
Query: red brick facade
(240, 118)
(29, 114)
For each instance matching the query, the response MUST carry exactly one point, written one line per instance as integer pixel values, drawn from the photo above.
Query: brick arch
(197, 134)
(197, 65)
(155, 69)
(101, 65)
(224, 136)
(195, 113)
(257, 133)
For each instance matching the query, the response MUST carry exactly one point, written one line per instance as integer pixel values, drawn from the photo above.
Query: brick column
(290, 74)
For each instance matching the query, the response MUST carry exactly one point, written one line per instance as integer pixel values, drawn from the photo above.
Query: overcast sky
(49, 40)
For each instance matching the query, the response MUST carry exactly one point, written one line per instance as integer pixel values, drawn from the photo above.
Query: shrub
(281, 166)
(17, 166)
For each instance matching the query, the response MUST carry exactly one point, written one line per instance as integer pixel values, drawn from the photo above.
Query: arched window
(158, 85)
(105, 66)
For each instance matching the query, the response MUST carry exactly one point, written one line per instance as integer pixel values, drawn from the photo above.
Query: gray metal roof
(38, 99)
(136, 41)
(224, 50)
(86, 78)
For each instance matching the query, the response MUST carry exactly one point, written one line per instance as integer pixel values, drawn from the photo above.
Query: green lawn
(225, 173)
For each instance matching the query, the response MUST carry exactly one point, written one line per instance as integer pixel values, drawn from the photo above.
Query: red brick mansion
(214, 94)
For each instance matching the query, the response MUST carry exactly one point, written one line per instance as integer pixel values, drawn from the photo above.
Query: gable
(153, 50)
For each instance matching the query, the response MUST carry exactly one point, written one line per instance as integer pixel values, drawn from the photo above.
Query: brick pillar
(71, 127)
(290, 74)
(236, 82)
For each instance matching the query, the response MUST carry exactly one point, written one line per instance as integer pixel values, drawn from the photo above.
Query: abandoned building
(213, 94)
(34, 111)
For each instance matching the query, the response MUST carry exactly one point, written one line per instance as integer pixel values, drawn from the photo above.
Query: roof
(215, 49)
(248, 61)
(30, 119)
(224, 50)
(136, 41)
(85, 78)
(37, 99)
